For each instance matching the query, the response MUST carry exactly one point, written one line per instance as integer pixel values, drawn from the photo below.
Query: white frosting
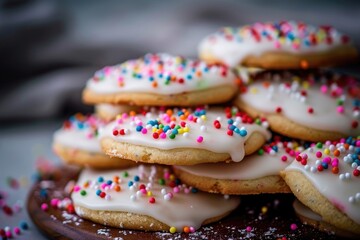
(139, 75)
(80, 134)
(294, 106)
(215, 140)
(183, 209)
(252, 167)
(303, 210)
(341, 189)
(232, 45)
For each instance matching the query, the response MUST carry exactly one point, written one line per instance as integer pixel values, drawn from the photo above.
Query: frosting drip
(220, 131)
(133, 191)
(269, 161)
(328, 102)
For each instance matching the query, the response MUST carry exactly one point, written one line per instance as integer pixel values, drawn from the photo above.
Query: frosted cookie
(161, 80)
(146, 198)
(257, 173)
(311, 106)
(184, 136)
(326, 179)
(108, 112)
(278, 45)
(77, 143)
(307, 216)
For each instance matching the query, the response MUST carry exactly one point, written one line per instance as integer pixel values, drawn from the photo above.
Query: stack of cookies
(172, 138)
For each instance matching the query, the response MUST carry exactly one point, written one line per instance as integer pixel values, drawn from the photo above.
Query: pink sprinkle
(284, 158)
(327, 160)
(162, 135)
(8, 234)
(318, 154)
(304, 156)
(328, 143)
(358, 143)
(77, 188)
(323, 88)
(292, 153)
(186, 190)
(293, 226)
(192, 229)
(340, 109)
(54, 202)
(44, 207)
(17, 230)
(103, 185)
(296, 46)
(248, 229)
(167, 175)
(176, 190)
(144, 131)
(190, 117)
(143, 191)
(200, 139)
(277, 44)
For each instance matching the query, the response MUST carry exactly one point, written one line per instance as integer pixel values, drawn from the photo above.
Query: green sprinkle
(83, 192)
(162, 181)
(125, 174)
(340, 102)
(261, 152)
(161, 125)
(319, 145)
(172, 136)
(258, 121)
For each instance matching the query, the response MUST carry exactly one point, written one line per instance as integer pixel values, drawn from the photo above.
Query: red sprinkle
(152, 200)
(278, 110)
(115, 132)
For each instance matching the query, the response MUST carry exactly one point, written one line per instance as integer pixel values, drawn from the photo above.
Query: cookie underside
(179, 156)
(286, 60)
(88, 159)
(268, 184)
(304, 190)
(130, 220)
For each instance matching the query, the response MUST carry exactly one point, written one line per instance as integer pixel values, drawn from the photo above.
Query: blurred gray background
(50, 48)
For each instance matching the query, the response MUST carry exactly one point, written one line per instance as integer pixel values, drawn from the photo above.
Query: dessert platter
(256, 139)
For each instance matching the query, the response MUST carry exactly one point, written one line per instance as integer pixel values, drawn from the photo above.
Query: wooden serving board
(274, 224)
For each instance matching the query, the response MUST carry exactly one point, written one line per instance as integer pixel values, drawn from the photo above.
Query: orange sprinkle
(116, 179)
(173, 78)
(304, 64)
(169, 112)
(86, 184)
(346, 146)
(335, 170)
(117, 188)
(266, 84)
(154, 84)
(173, 118)
(182, 117)
(186, 229)
(198, 74)
(132, 113)
(160, 130)
(336, 153)
(238, 81)
(121, 84)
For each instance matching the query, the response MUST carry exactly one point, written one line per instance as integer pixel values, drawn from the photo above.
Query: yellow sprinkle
(306, 84)
(172, 230)
(203, 117)
(282, 40)
(181, 131)
(186, 129)
(264, 209)
(254, 90)
(296, 79)
(149, 193)
(326, 151)
(172, 177)
(154, 129)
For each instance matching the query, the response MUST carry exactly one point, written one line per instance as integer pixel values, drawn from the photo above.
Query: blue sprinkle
(174, 131)
(237, 130)
(151, 79)
(24, 225)
(189, 77)
(98, 192)
(275, 148)
(206, 69)
(160, 75)
(130, 183)
(243, 132)
(230, 121)
(325, 165)
(109, 182)
(100, 179)
(232, 127)
(356, 103)
(43, 192)
(180, 113)
(139, 128)
(168, 78)
(136, 178)
(166, 128)
(194, 190)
